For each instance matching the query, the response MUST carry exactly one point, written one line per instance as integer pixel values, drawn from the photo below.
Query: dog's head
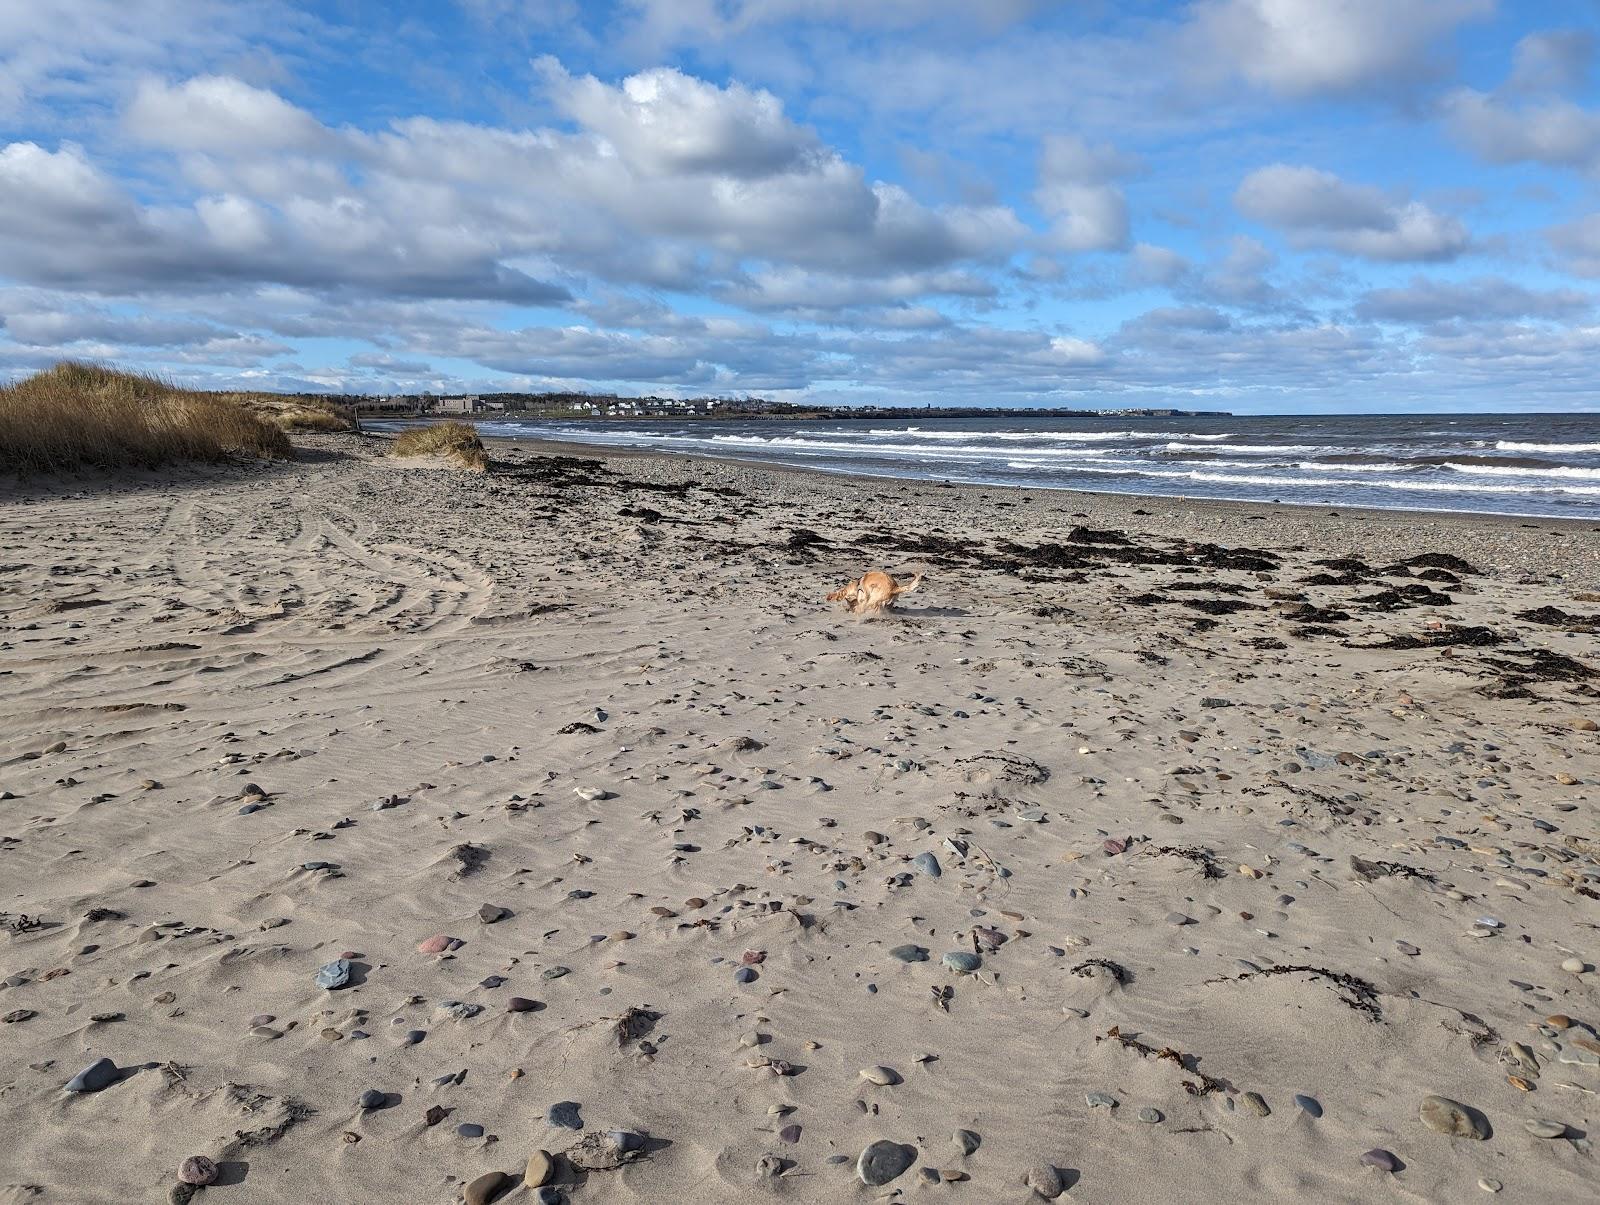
(845, 592)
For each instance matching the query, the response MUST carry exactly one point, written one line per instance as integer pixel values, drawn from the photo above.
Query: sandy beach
(386, 826)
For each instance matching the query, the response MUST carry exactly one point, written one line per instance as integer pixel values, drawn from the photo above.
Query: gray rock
(1256, 1103)
(1380, 1159)
(490, 913)
(883, 1161)
(927, 864)
(1150, 1116)
(909, 953)
(1101, 1100)
(1308, 1105)
(1541, 1127)
(1446, 1116)
(197, 1170)
(565, 1114)
(966, 1141)
(334, 975)
(1045, 1181)
(962, 961)
(469, 1129)
(371, 1099)
(101, 1073)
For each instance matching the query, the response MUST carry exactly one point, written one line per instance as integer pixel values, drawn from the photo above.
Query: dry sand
(1203, 839)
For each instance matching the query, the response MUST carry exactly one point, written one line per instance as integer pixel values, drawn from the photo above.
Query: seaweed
(1087, 968)
(1369, 871)
(1353, 991)
(1207, 1084)
(1199, 855)
(1450, 635)
(1555, 617)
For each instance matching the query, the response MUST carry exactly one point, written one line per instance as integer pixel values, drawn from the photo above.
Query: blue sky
(1253, 205)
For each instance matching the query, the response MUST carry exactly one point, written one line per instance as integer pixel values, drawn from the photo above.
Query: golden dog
(870, 593)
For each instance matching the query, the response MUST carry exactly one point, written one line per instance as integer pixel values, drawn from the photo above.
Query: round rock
(541, 1169)
(1445, 1116)
(883, 1161)
(197, 1170)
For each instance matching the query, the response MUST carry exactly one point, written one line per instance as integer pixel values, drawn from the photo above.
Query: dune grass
(455, 441)
(79, 415)
(292, 412)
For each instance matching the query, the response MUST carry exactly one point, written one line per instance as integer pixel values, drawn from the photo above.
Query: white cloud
(1479, 300)
(1317, 209)
(219, 114)
(1577, 245)
(1078, 191)
(1557, 133)
(1305, 47)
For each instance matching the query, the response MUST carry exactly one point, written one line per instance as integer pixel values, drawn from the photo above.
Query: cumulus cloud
(1556, 132)
(1078, 190)
(1552, 60)
(217, 113)
(1480, 300)
(1316, 208)
(1304, 47)
(1577, 245)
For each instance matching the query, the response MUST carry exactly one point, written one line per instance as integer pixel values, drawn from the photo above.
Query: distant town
(611, 406)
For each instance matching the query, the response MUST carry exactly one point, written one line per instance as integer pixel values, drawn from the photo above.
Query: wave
(1519, 471)
(1033, 436)
(1512, 445)
(1261, 449)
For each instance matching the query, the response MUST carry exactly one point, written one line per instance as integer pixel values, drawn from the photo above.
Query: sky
(1318, 206)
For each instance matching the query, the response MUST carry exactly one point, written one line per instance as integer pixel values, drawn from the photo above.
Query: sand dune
(1238, 889)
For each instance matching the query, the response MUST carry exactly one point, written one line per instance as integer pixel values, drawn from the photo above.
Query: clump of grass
(89, 415)
(455, 441)
(291, 412)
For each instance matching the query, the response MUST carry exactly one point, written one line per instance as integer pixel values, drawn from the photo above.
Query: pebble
(485, 1188)
(1150, 1116)
(1446, 1116)
(962, 961)
(371, 1099)
(1045, 1181)
(909, 953)
(468, 1129)
(1576, 966)
(541, 1169)
(490, 913)
(333, 975)
(745, 975)
(1257, 1104)
(1381, 1159)
(883, 1161)
(1178, 918)
(592, 794)
(438, 944)
(520, 1004)
(1540, 1127)
(882, 1076)
(927, 864)
(1101, 1100)
(966, 1141)
(565, 1114)
(101, 1073)
(197, 1170)
(1308, 1105)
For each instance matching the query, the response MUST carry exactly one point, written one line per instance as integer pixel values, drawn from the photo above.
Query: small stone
(1101, 1100)
(469, 1129)
(1541, 1127)
(1381, 1159)
(1488, 1184)
(1576, 966)
(434, 1115)
(1045, 1181)
(565, 1114)
(909, 953)
(541, 1169)
(1256, 1104)
(882, 1076)
(1178, 918)
(1308, 1105)
(1150, 1116)
(197, 1170)
(101, 1073)
(371, 1099)
(592, 794)
(966, 1141)
(883, 1161)
(745, 975)
(789, 1134)
(1446, 1116)
(520, 1004)
(927, 864)
(485, 1188)
(490, 913)
(962, 961)
(334, 975)
(181, 1194)
(437, 944)
(555, 972)
(18, 1014)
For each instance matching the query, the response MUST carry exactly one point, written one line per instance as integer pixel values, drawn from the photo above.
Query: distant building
(461, 405)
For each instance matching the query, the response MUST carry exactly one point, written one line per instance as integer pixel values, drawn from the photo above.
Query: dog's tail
(916, 580)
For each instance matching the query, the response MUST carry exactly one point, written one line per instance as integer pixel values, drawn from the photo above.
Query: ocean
(1537, 465)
